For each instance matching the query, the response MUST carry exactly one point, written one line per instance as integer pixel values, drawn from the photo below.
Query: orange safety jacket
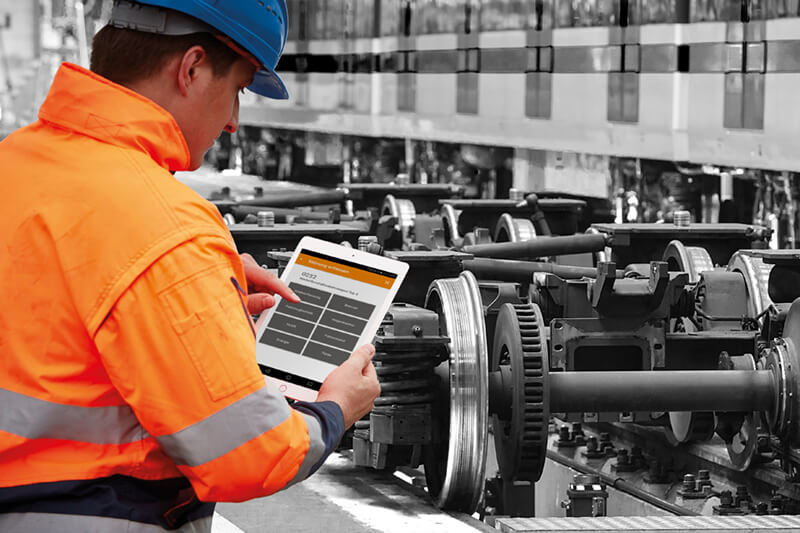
(129, 388)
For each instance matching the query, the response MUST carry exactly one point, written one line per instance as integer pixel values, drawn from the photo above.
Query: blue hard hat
(257, 26)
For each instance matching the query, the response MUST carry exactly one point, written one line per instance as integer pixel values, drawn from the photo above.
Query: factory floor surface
(341, 499)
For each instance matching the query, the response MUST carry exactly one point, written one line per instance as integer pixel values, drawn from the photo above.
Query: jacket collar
(81, 101)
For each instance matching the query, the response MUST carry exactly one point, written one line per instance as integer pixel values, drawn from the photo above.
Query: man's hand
(262, 285)
(354, 385)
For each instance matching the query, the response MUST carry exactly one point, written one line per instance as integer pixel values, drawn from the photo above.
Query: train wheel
(511, 229)
(685, 427)
(455, 465)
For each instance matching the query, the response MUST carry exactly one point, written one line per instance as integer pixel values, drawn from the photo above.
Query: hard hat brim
(267, 83)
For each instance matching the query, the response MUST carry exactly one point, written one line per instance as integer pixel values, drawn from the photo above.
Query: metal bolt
(577, 429)
(622, 457)
(598, 506)
(591, 444)
(585, 479)
(726, 499)
(266, 219)
(563, 433)
(605, 442)
(516, 194)
(365, 240)
(742, 498)
(682, 218)
(688, 483)
(776, 504)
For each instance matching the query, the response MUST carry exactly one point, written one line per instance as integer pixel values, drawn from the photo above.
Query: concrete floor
(342, 499)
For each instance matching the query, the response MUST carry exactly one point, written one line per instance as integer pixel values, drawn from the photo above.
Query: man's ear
(194, 58)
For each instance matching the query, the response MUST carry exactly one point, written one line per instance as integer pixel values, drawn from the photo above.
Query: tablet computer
(344, 295)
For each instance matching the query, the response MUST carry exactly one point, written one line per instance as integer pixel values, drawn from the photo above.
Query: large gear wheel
(519, 354)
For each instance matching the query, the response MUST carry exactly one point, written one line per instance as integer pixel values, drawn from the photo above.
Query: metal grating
(652, 524)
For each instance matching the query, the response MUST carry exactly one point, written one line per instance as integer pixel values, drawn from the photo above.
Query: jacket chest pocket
(209, 315)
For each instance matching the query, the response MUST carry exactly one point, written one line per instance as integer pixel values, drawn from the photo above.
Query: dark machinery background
(541, 361)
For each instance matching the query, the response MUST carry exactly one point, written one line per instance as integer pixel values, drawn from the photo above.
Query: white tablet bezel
(399, 269)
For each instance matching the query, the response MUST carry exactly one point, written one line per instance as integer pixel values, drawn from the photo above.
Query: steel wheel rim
(461, 313)
(511, 229)
(402, 209)
(756, 276)
(694, 260)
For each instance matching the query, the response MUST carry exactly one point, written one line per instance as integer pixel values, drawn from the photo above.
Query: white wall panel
(436, 94)
(501, 96)
(580, 99)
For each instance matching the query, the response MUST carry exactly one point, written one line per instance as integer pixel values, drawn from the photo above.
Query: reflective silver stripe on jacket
(33, 418)
(227, 429)
(316, 449)
(52, 522)
(204, 441)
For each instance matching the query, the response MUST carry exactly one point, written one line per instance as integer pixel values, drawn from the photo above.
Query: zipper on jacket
(242, 293)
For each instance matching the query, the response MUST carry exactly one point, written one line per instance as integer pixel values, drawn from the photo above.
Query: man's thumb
(363, 355)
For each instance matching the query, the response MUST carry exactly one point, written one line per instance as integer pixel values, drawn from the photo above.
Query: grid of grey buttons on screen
(322, 326)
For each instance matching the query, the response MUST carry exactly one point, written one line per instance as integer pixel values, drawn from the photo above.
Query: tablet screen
(338, 298)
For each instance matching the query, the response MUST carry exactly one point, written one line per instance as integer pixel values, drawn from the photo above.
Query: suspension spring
(405, 368)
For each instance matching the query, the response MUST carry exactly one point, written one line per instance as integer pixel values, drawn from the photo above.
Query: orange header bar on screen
(345, 271)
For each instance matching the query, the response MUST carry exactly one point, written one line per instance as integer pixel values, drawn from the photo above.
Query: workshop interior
(598, 203)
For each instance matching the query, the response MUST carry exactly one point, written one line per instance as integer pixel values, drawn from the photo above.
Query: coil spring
(406, 378)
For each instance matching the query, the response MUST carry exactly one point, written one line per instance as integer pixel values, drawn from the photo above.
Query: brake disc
(520, 434)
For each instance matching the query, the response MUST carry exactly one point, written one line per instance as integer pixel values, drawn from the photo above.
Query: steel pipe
(335, 196)
(241, 211)
(540, 247)
(680, 390)
(523, 271)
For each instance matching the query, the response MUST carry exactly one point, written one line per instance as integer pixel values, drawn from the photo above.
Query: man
(130, 394)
